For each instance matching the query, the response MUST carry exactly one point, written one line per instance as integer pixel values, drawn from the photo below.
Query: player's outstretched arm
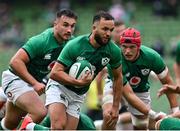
(168, 89)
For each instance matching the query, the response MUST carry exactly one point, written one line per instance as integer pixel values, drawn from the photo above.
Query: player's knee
(58, 125)
(140, 123)
(157, 124)
(9, 124)
(39, 115)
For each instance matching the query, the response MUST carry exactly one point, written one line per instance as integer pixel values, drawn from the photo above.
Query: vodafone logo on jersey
(135, 80)
(50, 66)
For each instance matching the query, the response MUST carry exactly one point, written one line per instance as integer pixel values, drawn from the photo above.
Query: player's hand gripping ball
(79, 68)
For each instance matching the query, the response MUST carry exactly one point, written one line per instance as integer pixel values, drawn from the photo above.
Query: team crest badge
(135, 80)
(145, 71)
(127, 74)
(105, 61)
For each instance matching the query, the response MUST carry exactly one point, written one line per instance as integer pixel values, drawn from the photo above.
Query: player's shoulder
(148, 51)
(81, 38)
(76, 41)
(43, 36)
(112, 45)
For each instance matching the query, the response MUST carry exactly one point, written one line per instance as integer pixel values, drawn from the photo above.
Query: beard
(98, 39)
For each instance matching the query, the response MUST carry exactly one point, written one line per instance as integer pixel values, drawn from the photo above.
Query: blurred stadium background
(158, 21)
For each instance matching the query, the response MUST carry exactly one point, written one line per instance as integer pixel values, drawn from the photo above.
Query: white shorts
(3, 97)
(14, 86)
(108, 87)
(145, 97)
(57, 93)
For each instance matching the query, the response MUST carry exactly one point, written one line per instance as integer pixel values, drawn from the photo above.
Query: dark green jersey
(43, 50)
(80, 48)
(110, 74)
(137, 72)
(178, 53)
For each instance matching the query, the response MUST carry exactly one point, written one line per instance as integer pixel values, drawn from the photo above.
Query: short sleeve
(116, 59)
(34, 46)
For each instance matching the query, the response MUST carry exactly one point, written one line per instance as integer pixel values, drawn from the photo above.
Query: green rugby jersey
(110, 74)
(80, 48)
(43, 50)
(137, 72)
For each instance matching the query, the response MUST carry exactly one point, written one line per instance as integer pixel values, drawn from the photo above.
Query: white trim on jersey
(163, 73)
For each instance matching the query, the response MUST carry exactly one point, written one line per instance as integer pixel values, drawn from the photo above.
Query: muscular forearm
(177, 114)
(172, 99)
(20, 69)
(63, 78)
(99, 80)
(135, 101)
(171, 96)
(117, 91)
(177, 73)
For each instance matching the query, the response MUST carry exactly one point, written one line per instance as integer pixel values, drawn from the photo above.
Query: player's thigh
(138, 118)
(13, 86)
(107, 99)
(57, 102)
(31, 103)
(73, 111)
(58, 116)
(72, 122)
(145, 97)
(13, 115)
(140, 121)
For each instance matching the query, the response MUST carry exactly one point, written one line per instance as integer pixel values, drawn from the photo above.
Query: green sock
(46, 122)
(85, 123)
(1, 126)
(40, 127)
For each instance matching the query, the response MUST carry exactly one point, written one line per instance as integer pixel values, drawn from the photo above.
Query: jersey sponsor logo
(135, 80)
(47, 56)
(105, 61)
(50, 66)
(80, 58)
(145, 71)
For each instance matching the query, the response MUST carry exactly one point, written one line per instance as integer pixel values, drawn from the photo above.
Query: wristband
(175, 109)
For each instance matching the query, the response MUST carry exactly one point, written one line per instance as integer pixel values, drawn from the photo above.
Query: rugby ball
(79, 68)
